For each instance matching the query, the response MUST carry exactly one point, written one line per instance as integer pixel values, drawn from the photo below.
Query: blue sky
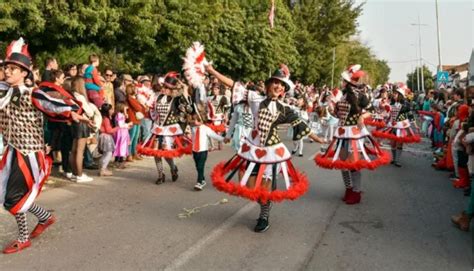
(385, 27)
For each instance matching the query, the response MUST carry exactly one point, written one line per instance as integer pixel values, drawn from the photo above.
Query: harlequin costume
(217, 108)
(353, 148)
(240, 125)
(24, 165)
(399, 127)
(167, 139)
(381, 112)
(262, 156)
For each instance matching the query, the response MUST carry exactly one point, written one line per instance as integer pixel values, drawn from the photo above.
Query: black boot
(174, 174)
(160, 179)
(394, 156)
(262, 221)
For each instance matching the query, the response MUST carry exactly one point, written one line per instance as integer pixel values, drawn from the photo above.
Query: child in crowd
(121, 136)
(93, 82)
(200, 139)
(438, 123)
(106, 139)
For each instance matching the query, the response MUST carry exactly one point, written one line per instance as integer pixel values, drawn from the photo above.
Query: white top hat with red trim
(353, 74)
(402, 89)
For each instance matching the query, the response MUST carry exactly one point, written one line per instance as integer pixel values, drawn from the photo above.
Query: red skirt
(178, 146)
(353, 149)
(399, 131)
(295, 182)
(217, 128)
(374, 122)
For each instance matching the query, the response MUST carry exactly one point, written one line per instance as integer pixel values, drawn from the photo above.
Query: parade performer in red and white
(381, 108)
(24, 166)
(217, 107)
(352, 148)
(262, 156)
(399, 127)
(167, 139)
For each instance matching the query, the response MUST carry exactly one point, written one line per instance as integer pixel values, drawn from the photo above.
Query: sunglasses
(109, 75)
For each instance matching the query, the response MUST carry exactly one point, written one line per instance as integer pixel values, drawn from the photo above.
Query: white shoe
(84, 179)
(200, 186)
(69, 175)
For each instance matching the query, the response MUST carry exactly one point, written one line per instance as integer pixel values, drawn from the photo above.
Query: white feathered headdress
(194, 63)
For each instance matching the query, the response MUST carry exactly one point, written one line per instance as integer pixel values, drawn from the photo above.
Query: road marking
(187, 255)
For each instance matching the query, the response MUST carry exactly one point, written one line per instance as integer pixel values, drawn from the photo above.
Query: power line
(403, 61)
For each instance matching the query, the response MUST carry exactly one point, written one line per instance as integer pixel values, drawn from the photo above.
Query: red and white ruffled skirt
(377, 120)
(217, 125)
(353, 149)
(400, 131)
(267, 163)
(166, 141)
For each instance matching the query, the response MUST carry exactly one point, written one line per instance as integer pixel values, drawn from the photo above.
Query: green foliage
(412, 79)
(152, 35)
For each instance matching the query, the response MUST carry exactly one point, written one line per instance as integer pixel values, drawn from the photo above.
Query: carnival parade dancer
(381, 107)
(217, 106)
(300, 109)
(241, 124)
(167, 139)
(352, 148)
(398, 129)
(24, 166)
(262, 155)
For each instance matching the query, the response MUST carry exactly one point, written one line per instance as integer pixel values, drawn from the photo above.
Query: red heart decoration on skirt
(355, 131)
(260, 153)
(245, 148)
(158, 130)
(173, 130)
(280, 151)
(394, 123)
(254, 134)
(341, 131)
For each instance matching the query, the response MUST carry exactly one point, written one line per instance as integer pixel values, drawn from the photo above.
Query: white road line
(187, 255)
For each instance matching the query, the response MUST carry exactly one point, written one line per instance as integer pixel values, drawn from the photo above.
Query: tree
(322, 26)
(412, 80)
(151, 36)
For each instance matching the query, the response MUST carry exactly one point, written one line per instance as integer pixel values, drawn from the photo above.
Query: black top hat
(171, 80)
(17, 53)
(282, 74)
(19, 60)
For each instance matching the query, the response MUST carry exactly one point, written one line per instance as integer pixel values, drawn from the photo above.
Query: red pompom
(388, 135)
(299, 186)
(326, 161)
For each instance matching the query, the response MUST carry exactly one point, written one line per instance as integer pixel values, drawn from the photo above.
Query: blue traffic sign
(442, 77)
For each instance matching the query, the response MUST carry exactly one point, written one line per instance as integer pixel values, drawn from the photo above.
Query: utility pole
(333, 64)
(417, 69)
(440, 67)
(421, 54)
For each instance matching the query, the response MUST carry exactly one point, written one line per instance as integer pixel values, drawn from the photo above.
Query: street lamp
(421, 54)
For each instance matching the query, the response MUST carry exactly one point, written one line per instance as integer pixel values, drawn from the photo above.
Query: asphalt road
(126, 222)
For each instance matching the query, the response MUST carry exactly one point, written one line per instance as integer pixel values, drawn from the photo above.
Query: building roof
(456, 68)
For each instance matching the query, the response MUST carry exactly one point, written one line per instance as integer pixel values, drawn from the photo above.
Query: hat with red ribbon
(17, 53)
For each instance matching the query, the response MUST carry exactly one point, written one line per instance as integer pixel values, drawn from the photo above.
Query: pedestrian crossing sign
(442, 77)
